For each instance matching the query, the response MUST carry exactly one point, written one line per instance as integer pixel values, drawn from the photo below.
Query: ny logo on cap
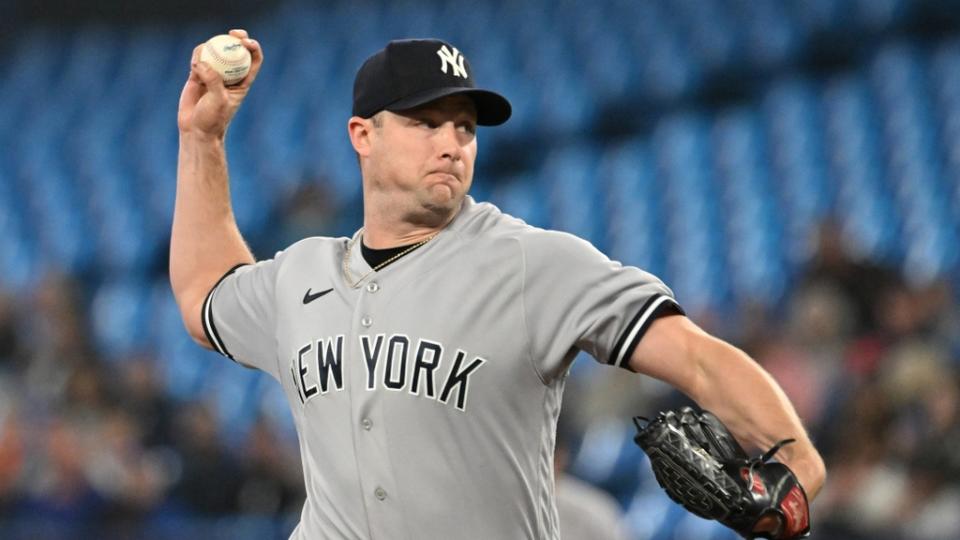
(454, 59)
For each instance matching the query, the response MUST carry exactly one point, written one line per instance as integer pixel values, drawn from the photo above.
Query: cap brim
(492, 108)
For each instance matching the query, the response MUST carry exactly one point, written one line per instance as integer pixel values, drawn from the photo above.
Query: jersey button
(366, 321)
(373, 287)
(367, 424)
(380, 493)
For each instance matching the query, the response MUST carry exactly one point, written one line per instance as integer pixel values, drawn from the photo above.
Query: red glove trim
(796, 512)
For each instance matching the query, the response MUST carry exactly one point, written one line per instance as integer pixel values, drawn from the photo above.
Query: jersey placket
(374, 468)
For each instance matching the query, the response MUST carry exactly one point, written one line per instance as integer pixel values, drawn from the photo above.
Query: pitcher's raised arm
(205, 241)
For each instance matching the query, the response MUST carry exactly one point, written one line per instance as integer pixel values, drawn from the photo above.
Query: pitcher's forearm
(205, 241)
(756, 409)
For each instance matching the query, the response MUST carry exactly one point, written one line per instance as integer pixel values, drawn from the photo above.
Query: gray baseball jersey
(426, 398)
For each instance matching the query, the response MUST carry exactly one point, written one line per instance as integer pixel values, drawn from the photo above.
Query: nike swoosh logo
(307, 298)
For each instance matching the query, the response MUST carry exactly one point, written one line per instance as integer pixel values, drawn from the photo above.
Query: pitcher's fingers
(193, 90)
(239, 33)
(252, 45)
(194, 76)
(210, 79)
(256, 60)
(195, 57)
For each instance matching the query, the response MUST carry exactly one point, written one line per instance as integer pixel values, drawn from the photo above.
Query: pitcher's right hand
(206, 104)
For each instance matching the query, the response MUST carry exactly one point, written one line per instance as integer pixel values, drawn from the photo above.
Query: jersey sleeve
(239, 315)
(576, 298)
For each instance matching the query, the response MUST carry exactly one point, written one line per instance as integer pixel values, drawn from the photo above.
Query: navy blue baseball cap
(410, 72)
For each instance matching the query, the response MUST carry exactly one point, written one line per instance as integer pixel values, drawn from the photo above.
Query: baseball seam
(216, 56)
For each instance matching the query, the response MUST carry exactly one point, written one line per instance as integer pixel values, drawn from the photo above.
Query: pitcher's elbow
(191, 313)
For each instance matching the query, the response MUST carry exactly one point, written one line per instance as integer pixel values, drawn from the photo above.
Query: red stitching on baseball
(222, 60)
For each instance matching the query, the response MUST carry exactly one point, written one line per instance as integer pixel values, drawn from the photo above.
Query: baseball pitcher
(424, 357)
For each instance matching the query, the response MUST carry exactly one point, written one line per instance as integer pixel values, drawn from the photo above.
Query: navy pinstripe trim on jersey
(206, 317)
(654, 307)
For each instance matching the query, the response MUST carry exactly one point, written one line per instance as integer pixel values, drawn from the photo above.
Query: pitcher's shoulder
(486, 219)
(313, 247)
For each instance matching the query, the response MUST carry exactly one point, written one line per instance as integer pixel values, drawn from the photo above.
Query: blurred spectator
(272, 476)
(144, 398)
(210, 479)
(12, 353)
(132, 479)
(59, 492)
(86, 396)
(805, 352)
(307, 210)
(56, 337)
(861, 283)
(12, 459)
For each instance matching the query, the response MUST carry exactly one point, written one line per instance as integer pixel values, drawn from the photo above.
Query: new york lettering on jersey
(318, 368)
(453, 357)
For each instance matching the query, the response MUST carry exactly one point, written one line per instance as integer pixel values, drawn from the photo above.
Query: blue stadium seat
(651, 515)
(771, 37)
(635, 233)
(183, 365)
(569, 179)
(607, 457)
(695, 258)
(755, 252)
(17, 259)
(119, 316)
(712, 29)
(292, 123)
(521, 197)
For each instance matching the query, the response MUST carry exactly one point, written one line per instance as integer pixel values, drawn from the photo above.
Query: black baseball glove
(703, 468)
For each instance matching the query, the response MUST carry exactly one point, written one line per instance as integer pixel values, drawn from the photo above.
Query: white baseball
(227, 55)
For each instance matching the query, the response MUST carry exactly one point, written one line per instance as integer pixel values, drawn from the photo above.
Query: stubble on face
(441, 199)
(418, 181)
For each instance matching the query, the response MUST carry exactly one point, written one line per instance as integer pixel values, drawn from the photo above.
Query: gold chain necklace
(346, 259)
